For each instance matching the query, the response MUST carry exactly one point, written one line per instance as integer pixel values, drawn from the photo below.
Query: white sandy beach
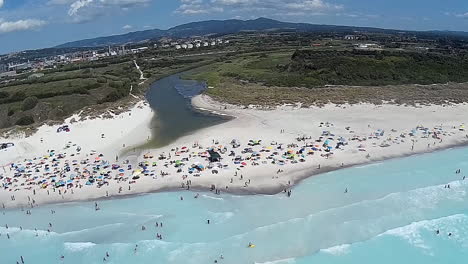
(368, 132)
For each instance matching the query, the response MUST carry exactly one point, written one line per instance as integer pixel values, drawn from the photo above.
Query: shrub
(29, 103)
(81, 90)
(101, 80)
(11, 112)
(18, 96)
(112, 97)
(25, 121)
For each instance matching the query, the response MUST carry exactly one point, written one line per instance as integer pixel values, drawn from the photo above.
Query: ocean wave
(93, 229)
(211, 197)
(220, 217)
(456, 224)
(78, 246)
(279, 261)
(374, 164)
(425, 198)
(337, 250)
(145, 215)
(421, 197)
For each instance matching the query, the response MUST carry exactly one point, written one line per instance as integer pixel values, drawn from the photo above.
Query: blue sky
(30, 24)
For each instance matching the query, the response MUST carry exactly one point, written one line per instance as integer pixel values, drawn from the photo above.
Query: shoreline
(263, 123)
(239, 191)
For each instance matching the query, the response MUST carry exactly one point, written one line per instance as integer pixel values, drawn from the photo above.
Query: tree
(25, 120)
(29, 103)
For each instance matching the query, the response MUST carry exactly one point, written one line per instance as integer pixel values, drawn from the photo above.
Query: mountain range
(224, 27)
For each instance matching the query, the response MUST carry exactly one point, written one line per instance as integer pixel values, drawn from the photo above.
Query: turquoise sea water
(389, 215)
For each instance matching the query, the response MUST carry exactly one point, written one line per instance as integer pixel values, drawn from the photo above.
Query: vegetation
(271, 68)
(65, 90)
(375, 67)
(72, 87)
(25, 121)
(29, 103)
(302, 76)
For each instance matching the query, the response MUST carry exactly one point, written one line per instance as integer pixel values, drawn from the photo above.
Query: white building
(197, 45)
(178, 46)
(184, 46)
(205, 44)
(190, 46)
(19, 66)
(350, 37)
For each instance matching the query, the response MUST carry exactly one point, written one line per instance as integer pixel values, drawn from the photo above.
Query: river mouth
(175, 116)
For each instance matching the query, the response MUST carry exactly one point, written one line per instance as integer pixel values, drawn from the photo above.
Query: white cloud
(267, 6)
(20, 25)
(124, 2)
(85, 10)
(464, 15)
(76, 6)
(127, 27)
(1, 3)
(194, 7)
(312, 5)
(233, 2)
(60, 2)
